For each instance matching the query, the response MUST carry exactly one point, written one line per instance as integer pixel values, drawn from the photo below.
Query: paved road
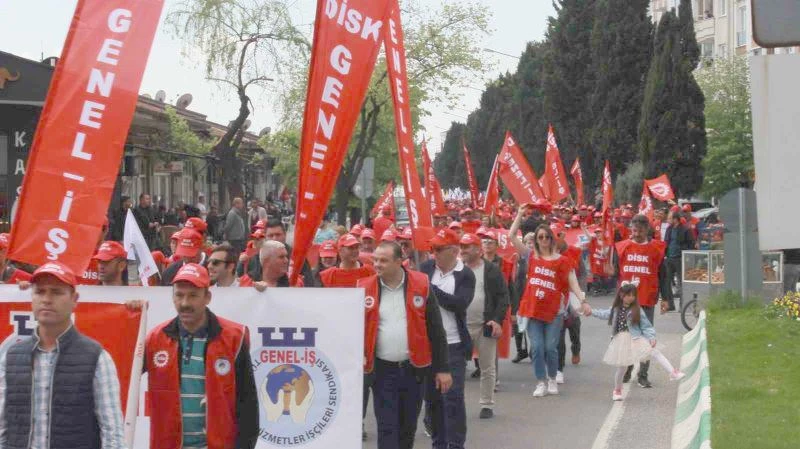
(582, 415)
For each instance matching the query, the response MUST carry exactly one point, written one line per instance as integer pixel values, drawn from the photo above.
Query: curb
(692, 428)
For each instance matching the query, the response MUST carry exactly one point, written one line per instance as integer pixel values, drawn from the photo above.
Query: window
(723, 7)
(722, 51)
(741, 25)
(707, 49)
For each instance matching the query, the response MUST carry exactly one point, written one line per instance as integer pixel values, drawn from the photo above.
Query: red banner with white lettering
(556, 187)
(343, 58)
(473, 182)
(386, 200)
(493, 189)
(608, 189)
(419, 212)
(433, 191)
(577, 176)
(75, 155)
(660, 188)
(517, 174)
(646, 204)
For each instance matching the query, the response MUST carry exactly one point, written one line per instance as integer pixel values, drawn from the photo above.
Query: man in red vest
(220, 412)
(404, 343)
(383, 221)
(640, 262)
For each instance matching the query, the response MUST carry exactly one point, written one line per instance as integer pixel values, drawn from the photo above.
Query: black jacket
(685, 238)
(496, 291)
(247, 410)
(458, 301)
(520, 283)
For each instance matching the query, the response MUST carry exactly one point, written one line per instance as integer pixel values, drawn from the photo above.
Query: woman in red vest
(543, 304)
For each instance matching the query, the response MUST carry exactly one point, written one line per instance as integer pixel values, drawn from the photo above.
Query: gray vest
(73, 424)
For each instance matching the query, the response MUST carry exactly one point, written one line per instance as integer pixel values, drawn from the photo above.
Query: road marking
(613, 418)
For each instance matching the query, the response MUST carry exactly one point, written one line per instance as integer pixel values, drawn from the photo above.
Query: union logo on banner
(298, 387)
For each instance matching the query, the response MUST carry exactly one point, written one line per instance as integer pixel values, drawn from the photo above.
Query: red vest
(638, 264)
(546, 288)
(419, 347)
(598, 257)
(340, 277)
(164, 391)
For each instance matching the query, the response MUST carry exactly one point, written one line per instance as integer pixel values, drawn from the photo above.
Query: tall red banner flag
(517, 174)
(556, 187)
(608, 204)
(473, 182)
(419, 212)
(492, 190)
(386, 200)
(646, 204)
(577, 176)
(79, 141)
(342, 61)
(433, 190)
(660, 188)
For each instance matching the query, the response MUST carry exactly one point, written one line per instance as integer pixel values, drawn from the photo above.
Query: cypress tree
(621, 53)
(449, 163)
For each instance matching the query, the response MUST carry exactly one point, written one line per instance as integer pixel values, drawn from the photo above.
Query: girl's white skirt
(625, 350)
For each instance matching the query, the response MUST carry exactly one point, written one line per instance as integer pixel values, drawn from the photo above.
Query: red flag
(386, 200)
(473, 183)
(646, 204)
(608, 189)
(493, 189)
(517, 175)
(79, 141)
(577, 176)
(342, 62)
(419, 212)
(556, 187)
(433, 190)
(660, 188)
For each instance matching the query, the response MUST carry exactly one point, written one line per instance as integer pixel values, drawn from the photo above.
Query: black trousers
(672, 269)
(573, 325)
(397, 398)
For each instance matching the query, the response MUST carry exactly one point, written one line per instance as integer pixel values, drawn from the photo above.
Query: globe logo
(289, 387)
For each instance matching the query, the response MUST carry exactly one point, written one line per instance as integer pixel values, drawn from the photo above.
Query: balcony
(704, 28)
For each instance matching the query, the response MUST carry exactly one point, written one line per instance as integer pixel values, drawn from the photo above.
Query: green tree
(628, 186)
(443, 50)
(621, 51)
(672, 135)
(449, 163)
(726, 86)
(180, 137)
(569, 80)
(243, 45)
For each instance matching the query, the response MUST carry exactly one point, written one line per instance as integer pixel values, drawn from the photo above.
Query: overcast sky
(33, 28)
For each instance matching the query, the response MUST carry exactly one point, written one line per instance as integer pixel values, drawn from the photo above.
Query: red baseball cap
(367, 233)
(5, 240)
(357, 229)
(389, 236)
(58, 270)
(175, 235)
(110, 250)
(687, 207)
(576, 218)
(598, 214)
(189, 243)
(445, 237)
(470, 239)
(591, 208)
(583, 207)
(197, 224)
(489, 234)
(258, 234)
(194, 274)
(455, 225)
(675, 209)
(159, 257)
(348, 240)
(261, 224)
(406, 235)
(328, 249)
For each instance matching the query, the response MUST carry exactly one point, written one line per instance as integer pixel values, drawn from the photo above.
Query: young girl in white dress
(634, 338)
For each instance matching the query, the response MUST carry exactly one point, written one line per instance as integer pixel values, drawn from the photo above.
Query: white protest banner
(305, 337)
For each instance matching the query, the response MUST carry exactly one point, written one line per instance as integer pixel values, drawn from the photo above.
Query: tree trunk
(342, 199)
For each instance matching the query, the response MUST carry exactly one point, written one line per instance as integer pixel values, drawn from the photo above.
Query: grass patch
(755, 379)
(729, 300)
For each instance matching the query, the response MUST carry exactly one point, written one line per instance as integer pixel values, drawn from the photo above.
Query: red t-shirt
(547, 285)
(598, 257)
(365, 258)
(573, 253)
(347, 278)
(380, 224)
(638, 264)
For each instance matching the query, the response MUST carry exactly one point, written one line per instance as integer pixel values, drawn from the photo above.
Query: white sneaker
(552, 386)
(539, 391)
(677, 374)
(616, 395)
(559, 377)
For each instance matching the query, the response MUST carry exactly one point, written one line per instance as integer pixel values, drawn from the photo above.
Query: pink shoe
(616, 395)
(677, 374)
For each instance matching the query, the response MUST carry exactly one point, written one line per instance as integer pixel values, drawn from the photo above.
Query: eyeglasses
(543, 237)
(487, 241)
(216, 262)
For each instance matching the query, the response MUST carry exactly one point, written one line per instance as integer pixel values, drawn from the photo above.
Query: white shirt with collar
(392, 344)
(446, 282)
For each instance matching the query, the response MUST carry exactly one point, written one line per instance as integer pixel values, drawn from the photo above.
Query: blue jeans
(397, 398)
(544, 339)
(448, 412)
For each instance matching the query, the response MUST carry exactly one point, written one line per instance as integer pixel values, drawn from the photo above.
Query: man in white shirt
(454, 286)
(404, 343)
